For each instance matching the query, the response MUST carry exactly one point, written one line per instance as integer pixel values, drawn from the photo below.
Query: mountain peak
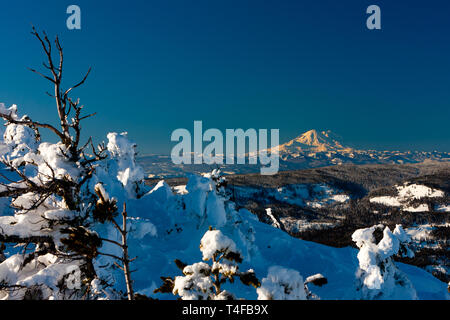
(310, 138)
(314, 141)
(317, 138)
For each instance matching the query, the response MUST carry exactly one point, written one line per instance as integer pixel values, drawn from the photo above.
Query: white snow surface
(415, 191)
(386, 200)
(275, 223)
(407, 193)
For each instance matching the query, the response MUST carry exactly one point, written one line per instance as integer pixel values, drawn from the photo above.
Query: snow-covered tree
(287, 284)
(106, 210)
(206, 198)
(203, 281)
(282, 284)
(378, 277)
(57, 195)
(48, 187)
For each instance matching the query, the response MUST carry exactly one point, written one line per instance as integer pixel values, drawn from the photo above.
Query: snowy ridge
(325, 146)
(311, 149)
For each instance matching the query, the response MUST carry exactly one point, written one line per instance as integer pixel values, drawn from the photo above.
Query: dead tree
(46, 185)
(69, 134)
(65, 105)
(124, 259)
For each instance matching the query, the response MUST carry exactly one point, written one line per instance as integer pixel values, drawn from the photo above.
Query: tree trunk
(126, 266)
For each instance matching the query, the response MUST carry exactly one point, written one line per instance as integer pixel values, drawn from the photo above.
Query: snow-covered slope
(179, 233)
(166, 226)
(182, 219)
(163, 226)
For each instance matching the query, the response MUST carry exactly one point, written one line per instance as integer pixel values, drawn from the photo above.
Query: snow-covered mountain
(311, 149)
(319, 148)
(313, 141)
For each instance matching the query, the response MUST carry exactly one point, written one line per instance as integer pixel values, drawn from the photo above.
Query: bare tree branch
(79, 83)
(64, 104)
(31, 123)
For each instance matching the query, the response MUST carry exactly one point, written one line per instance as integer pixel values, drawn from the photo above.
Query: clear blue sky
(292, 65)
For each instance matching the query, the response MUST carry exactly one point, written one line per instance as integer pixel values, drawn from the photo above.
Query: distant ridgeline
(312, 149)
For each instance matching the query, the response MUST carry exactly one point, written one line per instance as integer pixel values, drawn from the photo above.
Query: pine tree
(203, 281)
